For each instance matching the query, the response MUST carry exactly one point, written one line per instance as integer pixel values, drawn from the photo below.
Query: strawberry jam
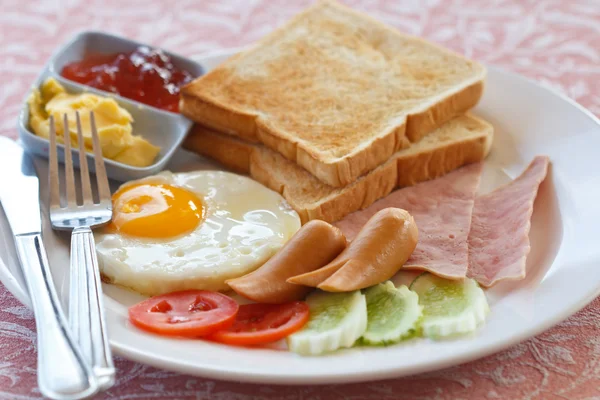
(145, 75)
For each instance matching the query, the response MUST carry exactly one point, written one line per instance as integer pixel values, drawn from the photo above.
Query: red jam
(145, 75)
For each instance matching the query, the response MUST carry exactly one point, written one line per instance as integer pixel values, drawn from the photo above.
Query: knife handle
(86, 309)
(62, 371)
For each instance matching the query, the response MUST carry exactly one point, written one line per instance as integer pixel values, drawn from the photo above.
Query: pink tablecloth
(555, 42)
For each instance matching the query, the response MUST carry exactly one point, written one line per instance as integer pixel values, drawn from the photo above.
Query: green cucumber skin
(327, 310)
(451, 308)
(383, 297)
(318, 336)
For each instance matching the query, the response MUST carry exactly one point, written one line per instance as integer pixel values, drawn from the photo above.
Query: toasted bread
(335, 91)
(461, 141)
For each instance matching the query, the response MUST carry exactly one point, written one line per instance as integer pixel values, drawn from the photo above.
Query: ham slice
(442, 210)
(499, 237)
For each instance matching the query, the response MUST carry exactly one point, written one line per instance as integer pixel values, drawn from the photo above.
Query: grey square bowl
(161, 128)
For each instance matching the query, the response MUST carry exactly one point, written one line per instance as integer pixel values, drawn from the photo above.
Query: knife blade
(19, 189)
(19, 196)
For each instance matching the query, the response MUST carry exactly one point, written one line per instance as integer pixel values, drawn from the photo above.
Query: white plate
(563, 267)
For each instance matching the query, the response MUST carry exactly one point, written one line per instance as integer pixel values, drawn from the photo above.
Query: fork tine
(71, 196)
(86, 187)
(53, 176)
(102, 179)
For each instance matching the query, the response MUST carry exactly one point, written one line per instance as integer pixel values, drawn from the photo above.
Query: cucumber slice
(392, 313)
(450, 308)
(336, 320)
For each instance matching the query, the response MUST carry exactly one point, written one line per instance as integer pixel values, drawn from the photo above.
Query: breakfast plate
(562, 268)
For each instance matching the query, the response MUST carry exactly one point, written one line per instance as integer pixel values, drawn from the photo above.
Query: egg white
(245, 224)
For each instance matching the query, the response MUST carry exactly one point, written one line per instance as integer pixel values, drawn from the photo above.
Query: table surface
(555, 42)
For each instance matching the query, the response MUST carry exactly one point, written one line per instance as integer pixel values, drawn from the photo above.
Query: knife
(62, 372)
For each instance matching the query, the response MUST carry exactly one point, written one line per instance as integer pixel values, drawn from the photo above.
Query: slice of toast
(335, 91)
(461, 141)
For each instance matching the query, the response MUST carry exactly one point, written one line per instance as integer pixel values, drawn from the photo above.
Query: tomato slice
(263, 323)
(189, 313)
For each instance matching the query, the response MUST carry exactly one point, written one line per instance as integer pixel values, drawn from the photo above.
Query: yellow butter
(113, 123)
(139, 154)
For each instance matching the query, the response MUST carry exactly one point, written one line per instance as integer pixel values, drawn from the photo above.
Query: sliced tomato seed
(162, 307)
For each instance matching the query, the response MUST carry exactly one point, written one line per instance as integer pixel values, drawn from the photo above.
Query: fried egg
(191, 230)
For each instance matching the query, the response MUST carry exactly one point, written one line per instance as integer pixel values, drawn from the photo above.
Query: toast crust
(421, 123)
(232, 153)
(209, 101)
(435, 155)
(220, 118)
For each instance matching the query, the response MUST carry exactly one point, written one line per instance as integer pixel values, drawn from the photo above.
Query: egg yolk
(155, 211)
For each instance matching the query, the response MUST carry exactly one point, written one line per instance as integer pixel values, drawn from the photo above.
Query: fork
(86, 309)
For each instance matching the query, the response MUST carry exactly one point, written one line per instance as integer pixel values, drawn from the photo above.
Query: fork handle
(86, 308)
(62, 370)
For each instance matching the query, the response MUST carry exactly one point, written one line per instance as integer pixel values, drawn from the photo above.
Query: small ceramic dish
(161, 128)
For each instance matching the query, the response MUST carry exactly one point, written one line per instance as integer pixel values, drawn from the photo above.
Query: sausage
(379, 250)
(314, 245)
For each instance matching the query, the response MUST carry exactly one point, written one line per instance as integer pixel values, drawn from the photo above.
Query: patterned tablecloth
(555, 42)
